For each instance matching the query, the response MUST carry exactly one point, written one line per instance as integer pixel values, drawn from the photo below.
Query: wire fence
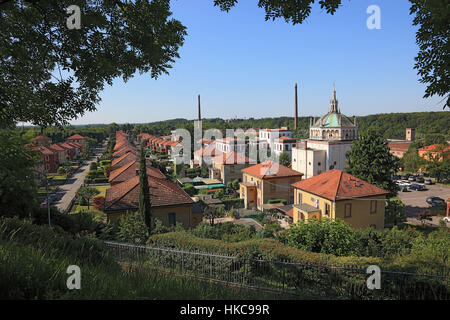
(303, 280)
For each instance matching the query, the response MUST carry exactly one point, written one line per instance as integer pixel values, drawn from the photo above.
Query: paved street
(415, 201)
(66, 192)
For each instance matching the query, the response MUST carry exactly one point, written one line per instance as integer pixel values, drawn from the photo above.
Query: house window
(327, 209)
(373, 206)
(348, 210)
(300, 198)
(172, 219)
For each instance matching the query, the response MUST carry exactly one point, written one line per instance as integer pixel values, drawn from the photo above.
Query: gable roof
(125, 158)
(399, 146)
(76, 136)
(125, 196)
(123, 151)
(56, 147)
(128, 171)
(337, 185)
(268, 169)
(231, 158)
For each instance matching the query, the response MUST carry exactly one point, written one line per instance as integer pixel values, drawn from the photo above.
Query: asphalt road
(415, 201)
(66, 192)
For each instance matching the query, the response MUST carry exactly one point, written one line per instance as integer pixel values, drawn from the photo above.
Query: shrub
(93, 166)
(326, 236)
(283, 201)
(189, 189)
(233, 202)
(99, 203)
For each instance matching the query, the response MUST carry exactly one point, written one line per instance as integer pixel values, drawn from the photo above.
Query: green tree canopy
(17, 182)
(370, 160)
(87, 193)
(55, 74)
(144, 193)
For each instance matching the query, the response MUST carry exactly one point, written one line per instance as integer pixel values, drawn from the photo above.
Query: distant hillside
(391, 125)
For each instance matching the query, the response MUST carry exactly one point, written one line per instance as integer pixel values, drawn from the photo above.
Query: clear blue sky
(244, 66)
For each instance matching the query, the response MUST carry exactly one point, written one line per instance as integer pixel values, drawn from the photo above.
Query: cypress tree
(144, 193)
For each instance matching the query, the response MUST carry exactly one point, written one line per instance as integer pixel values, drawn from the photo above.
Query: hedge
(283, 201)
(266, 249)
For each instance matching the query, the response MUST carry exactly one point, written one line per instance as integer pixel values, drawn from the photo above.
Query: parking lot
(415, 201)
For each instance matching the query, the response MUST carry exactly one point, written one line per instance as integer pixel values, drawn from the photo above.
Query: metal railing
(303, 280)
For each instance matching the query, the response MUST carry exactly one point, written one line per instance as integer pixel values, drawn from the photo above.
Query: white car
(446, 219)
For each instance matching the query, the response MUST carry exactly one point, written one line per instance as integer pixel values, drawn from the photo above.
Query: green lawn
(98, 215)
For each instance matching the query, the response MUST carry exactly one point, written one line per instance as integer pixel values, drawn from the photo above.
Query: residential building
(338, 195)
(42, 141)
(284, 145)
(78, 139)
(267, 181)
(227, 166)
(269, 135)
(398, 149)
(434, 151)
(227, 145)
(170, 203)
(62, 155)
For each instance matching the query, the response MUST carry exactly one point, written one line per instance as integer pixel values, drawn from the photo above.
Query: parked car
(396, 177)
(446, 219)
(417, 187)
(404, 177)
(432, 199)
(428, 181)
(420, 179)
(411, 178)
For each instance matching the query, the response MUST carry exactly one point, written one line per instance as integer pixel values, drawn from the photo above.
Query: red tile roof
(337, 185)
(41, 138)
(123, 151)
(399, 146)
(57, 147)
(125, 195)
(128, 171)
(434, 148)
(44, 150)
(232, 158)
(125, 159)
(270, 169)
(76, 136)
(66, 145)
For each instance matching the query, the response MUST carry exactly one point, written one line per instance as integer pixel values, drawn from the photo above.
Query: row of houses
(54, 155)
(169, 203)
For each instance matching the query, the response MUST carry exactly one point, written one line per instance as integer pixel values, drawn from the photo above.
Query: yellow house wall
(183, 214)
(360, 217)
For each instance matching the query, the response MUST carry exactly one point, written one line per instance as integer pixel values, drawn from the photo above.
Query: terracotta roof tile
(76, 137)
(125, 195)
(337, 184)
(125, 159)
(270, 169)
(232, 158)
(128, 171)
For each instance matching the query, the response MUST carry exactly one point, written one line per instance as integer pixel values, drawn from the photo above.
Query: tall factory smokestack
(199, 113)
(296, 108)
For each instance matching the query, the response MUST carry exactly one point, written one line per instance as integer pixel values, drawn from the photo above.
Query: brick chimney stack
(199, 113)
(296, 109)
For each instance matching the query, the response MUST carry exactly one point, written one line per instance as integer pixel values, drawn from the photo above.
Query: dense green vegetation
(34, 260)
(390, 125)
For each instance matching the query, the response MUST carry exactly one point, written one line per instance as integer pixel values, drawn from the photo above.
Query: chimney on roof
(296, 109)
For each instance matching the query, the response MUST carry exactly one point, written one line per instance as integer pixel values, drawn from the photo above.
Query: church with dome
(330, 138)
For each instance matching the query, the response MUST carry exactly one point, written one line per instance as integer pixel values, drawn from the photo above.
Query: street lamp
(46, 192)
